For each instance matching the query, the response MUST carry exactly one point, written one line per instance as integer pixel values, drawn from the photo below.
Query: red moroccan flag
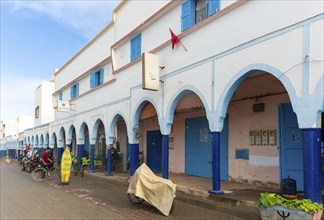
(174, 39)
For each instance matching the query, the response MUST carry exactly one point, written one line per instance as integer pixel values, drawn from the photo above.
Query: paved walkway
(235, 192)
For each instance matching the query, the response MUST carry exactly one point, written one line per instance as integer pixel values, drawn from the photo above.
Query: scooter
(155, 190)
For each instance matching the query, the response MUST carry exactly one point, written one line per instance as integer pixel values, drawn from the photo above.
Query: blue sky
(36, 38)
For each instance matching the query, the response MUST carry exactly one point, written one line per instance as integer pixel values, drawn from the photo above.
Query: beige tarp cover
(155, 190)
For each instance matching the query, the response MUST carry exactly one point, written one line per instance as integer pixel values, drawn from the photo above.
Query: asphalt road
(89, 197)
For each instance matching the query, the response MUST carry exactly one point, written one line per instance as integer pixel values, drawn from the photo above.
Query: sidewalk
(194, 190)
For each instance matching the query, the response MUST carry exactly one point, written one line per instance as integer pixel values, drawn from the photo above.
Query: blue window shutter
(61, 96)
(214, 6)
(136, 47)
(92, 80)
(71, 92)
(188, 14)
(101, 77)
(132, 49)
(77, 89)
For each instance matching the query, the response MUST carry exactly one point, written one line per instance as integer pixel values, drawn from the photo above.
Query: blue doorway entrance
(290, 145)
(198, 152)
(154, 151)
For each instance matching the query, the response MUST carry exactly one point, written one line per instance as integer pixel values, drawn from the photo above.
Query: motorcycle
(155, 190)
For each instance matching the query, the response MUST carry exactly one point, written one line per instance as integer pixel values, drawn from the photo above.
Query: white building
(240, 98)
(10, 133)
(44, 111)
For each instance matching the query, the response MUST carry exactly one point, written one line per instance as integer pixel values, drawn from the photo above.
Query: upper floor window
(136, 47)
(37, 112)
(60, 96)
(74, 91)
(96, 78)
(195, 11)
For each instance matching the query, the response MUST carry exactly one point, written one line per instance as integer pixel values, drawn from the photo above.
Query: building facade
(240, 97)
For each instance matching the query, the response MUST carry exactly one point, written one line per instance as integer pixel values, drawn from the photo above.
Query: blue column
(216, 164)
(108, 161)
(165, 156)
(59, 154)
(80, 153)
(312, 164)
(134, 155)
(92, 170)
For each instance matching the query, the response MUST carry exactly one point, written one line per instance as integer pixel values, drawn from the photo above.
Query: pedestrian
(45, 160)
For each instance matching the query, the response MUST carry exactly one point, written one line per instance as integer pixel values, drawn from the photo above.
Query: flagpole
(183, 45)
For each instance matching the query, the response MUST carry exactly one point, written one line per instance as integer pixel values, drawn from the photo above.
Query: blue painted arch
(41, 142)
(46, 144)
(52, 141)
(81, 132)
(112, 125)
(233, 84)
(95, 130)
(174, 101)
(60, 138)
(136, 118)
(36, 141)
(69, 134)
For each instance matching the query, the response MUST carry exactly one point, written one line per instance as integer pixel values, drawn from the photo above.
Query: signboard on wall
(63, 106)
(150, 71)
(263, 137)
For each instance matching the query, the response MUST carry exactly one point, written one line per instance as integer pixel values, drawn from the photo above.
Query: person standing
(45, 158)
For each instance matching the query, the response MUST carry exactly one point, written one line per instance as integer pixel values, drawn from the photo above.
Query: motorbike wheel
(39, 174)
(134, 199)
(22, 167)
(29, 169)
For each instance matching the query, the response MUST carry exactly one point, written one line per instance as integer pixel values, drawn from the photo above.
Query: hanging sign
(66, 166)
(63, 106)
(150, 72)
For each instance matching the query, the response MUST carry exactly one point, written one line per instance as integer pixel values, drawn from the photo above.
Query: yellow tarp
(155, 190)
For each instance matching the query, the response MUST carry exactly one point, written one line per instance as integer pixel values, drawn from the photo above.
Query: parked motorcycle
(157, 191)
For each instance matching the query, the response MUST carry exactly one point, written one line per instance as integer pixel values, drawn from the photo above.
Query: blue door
(198, 152)
(154, 151)
(290, 144)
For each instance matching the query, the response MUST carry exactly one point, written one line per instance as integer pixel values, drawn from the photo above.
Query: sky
(38, 37)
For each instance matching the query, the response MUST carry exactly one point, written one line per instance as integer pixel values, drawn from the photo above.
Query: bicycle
(76, 168)
(42, 173)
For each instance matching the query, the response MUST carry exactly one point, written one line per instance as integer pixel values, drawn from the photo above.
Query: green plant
(306, 205)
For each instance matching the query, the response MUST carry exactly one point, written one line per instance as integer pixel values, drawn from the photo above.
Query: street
(89, 197)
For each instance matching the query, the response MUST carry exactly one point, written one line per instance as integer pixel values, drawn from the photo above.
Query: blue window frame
(194, 11)
(136, 47)
(74, 91)
(96, 78)
(60, 95)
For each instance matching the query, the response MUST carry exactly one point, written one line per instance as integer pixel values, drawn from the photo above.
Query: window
(60, 95)
(96, 78)
(74, 91)
(37, 112)
(136, 47)
(195, 11)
